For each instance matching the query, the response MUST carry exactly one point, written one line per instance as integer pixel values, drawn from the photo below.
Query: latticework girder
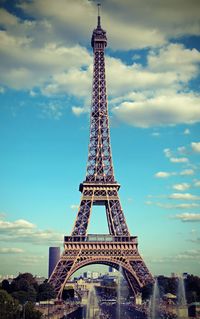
(105, 196)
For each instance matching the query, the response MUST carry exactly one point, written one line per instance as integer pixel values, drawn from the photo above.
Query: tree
(30, 312)
(28, 277)
(147, 291)
(45, 292)
(192, 284)
(167, 285)
(9, 307)
(23, 288)
(24, 282)
(21, 296)
(5, 285)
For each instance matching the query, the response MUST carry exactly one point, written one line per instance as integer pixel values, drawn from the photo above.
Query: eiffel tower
(118, 249)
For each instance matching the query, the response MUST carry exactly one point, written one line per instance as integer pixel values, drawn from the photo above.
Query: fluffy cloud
(187, 172)
(11, 250)
(178, 206)
(174, 206)
(187, 217)
(74, 207)
(172, 159)
(182, 150)
(30, 260)
(160, 110)
(186, 131)
(2, 90)
(175, 57)
(52, 110)
(163, 174)
(25, 66)
(191, 254)
(23, 231)
(16, 225)
(131, 24)
(74, 82)
(167, 152)
(179, 159)
(185, 196)
(184, 256)
(181, 186)
(78, 110)
(43, 53)
(7, 19)
(195, 147)
(197, 183)
(160, 106)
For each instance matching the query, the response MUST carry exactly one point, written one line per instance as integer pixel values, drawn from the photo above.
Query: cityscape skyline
(153, 77)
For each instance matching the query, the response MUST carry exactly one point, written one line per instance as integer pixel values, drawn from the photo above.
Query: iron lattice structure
(119, 248)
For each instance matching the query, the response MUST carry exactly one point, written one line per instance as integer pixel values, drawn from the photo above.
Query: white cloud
(33, 93)
(158, 107)
(30, 260)
(187, 217)
(130, 24)
(75, 82)
(185, 256)
(179, 159)
(122, 79)
(177, 206)
(7, 19)
(11, 250)
(2, 215)
(40, 54)
(188, 255)
(186, 172)
(195, 147)
(25, 66)
(181, 186)
(163, 174)
(23, 231)
(175, 57)
(186, 132)
(197, 183)
(2, 90)
(52, 110)
(156, 134)
(78, 110)
(18, 224)
(182, 150)
(185, 196)
(160, 110)
(74, 207)
(167, 152)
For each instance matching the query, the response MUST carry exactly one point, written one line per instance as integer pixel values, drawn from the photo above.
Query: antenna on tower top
(99, 17)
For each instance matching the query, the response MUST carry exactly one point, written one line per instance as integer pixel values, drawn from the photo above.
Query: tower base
(119, 252)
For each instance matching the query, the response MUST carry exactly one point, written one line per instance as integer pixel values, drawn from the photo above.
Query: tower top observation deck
(99, 35)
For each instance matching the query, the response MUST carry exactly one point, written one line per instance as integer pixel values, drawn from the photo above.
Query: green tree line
(21, 294)
(170, 285)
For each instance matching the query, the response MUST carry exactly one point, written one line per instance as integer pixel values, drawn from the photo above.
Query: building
(54, 256)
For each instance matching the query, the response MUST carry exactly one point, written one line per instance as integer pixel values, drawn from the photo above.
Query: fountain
(182, 310)
(154, 302)
(92, 310)
(181, 292)
(119, 292)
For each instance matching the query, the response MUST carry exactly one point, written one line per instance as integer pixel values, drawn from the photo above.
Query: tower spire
(99, 17)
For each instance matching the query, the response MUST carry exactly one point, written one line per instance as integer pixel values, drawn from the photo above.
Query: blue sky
(152, 70)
